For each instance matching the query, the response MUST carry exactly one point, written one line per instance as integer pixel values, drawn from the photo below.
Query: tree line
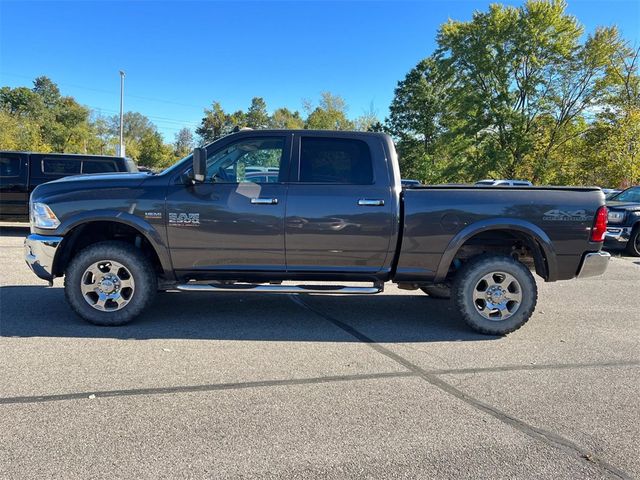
(520, 92)
(515, 92)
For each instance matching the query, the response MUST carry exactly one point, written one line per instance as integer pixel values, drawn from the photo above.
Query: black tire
(439, 291)
(468, 281)
(141, 271)
(633, 245)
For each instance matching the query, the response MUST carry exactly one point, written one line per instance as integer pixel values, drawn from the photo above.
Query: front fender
(521, 226)
(151, 234)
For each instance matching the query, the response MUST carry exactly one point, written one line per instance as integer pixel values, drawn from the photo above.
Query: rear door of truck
(339, 215)
(14, 184)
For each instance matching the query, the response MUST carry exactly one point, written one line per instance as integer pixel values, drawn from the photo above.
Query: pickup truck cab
(337, 214)
(21, 172)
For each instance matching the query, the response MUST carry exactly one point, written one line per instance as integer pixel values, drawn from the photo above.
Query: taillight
(599, 225)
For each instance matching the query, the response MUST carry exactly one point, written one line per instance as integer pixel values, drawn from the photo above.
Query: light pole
(121, 153)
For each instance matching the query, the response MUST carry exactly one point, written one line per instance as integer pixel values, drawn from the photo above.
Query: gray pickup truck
(323, 209)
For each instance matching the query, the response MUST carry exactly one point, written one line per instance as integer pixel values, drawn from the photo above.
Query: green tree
(47, 90)
(283, 118)
(257, 116)
(503, 94)
(18, 133)
(153, 152)
(102, 139)
(21, 101)
(416, 117)
(214, 124)
(330, 114)
(136, 127)
(183, 143)
(368, 121)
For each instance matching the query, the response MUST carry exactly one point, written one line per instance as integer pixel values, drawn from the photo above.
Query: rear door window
(9, 165)
(335, 160)
(61, 166)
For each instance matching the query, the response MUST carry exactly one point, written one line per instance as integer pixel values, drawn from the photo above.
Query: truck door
(234, 221)
(340, 207)
(14, 185)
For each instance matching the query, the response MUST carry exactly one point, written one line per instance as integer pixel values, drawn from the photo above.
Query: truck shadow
(35, 311)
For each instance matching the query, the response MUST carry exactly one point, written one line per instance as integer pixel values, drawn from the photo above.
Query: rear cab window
(335, 160)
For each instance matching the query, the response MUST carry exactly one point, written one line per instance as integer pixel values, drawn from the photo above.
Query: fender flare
(114, 216)
(521, 226)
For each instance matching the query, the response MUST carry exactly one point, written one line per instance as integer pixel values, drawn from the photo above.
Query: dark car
(21, 172)
(256, 208)
(624, 221)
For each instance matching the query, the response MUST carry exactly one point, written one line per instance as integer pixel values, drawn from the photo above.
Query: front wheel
(495, 294)
(110, 283)
(633, 245)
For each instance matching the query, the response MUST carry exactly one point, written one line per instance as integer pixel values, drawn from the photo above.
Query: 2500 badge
(184, 219)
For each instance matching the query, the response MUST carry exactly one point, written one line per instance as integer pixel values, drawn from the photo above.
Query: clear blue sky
(180, 56)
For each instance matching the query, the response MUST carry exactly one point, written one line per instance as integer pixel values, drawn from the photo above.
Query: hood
(114, 178)
(629, 206)
(90, 182)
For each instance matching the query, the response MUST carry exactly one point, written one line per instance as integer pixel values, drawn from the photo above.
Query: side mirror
(199, 164)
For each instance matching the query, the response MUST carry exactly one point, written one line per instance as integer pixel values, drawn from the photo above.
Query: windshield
(629, 195)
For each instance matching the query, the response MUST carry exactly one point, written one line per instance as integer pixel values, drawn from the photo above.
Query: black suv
(21, 172)
(624, 221)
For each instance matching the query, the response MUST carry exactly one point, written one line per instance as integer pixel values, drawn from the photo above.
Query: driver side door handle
(366, 202)
(264, 201)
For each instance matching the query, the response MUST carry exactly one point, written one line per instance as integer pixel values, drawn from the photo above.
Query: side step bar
(251, 288)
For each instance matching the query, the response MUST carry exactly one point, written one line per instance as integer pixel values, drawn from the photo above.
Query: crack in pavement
(201, 388)
(550, 438)
(296, 381)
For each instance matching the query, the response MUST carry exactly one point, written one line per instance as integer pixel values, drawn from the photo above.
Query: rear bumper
(39, 253)
(594, 264)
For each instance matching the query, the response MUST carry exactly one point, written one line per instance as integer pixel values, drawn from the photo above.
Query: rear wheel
(110, 283)
(633, 245)
(495, 294)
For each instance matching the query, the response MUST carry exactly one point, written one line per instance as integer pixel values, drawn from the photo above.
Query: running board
(250, 288)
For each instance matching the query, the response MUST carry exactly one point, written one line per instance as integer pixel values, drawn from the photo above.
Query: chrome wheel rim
(107, 286)
(497, 296)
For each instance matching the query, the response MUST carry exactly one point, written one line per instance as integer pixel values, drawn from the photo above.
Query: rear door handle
(367, 202)
(264, 201)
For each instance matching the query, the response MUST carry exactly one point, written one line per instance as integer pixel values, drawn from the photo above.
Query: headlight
(615, 217)
(43, 217)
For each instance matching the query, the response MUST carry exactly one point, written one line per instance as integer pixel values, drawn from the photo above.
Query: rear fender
(505, 224)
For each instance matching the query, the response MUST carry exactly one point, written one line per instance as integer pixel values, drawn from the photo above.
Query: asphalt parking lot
(389, 386)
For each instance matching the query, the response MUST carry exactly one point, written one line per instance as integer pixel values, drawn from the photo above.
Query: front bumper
(39, 252)
(617, 236)
(594, 264)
